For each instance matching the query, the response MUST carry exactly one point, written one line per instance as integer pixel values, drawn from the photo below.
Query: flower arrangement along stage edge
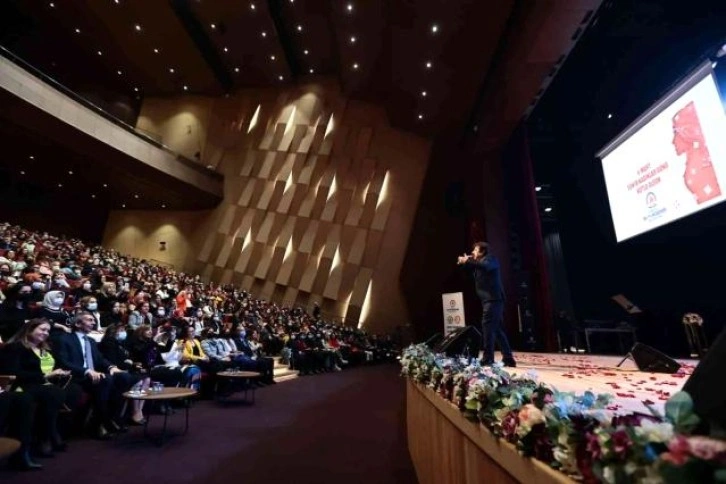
(574, 433)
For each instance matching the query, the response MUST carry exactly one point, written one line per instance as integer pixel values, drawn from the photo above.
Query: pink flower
(706, 448)
(593, 446)
(621, 442)
(678, 451)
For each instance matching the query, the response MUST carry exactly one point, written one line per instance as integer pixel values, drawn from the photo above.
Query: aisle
(338, 427)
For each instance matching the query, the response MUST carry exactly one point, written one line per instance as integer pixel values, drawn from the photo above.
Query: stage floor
(631, 389)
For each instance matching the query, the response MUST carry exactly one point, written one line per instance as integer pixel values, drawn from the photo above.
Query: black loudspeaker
(464, 341)
(433, 341)
(649, 359)
(705, 386)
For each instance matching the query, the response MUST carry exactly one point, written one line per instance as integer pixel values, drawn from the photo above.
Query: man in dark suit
(79, 354)
(488, 283)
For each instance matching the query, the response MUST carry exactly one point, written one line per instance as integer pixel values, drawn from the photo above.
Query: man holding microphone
(488, 283)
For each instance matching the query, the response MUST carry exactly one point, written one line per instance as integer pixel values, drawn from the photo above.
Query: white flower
(660, 432)
(530, 415)
(608, 474)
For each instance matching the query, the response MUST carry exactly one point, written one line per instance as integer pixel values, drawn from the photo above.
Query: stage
(631, 389)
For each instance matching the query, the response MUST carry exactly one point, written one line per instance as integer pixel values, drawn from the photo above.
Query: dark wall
(635, 53)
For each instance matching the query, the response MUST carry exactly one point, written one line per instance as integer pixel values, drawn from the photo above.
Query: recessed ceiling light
(264, 34)
(186, 88)
(272, 57)
(536, 189)
(429, 65)
(610, 116)
(123, 205)
(252, 6)
(60, 185)
(137, 27)
(349, 7)
(32, 157)
(434, 28)
(171, 70)
(156, 51)
(99, 52)
(236, 69)
(78, 31)
(312, 71)
(299, 28)
(51, 5)
(136, 89)
(352, 39)
(306, 52)
(281, 78)
(420, 116)
(423, 93)
(70, 172)
(93, 195)
(548, 209)
(226, 49)
(136, 196)
(105, 185)
(213, 26)
(119, 72)
(163, 205)
(22, 173)
(355, 66)
(116, 1)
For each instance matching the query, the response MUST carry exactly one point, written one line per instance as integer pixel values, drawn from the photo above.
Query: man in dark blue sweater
(488, 283)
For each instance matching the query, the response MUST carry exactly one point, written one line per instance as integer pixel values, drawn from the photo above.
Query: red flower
(621, 442)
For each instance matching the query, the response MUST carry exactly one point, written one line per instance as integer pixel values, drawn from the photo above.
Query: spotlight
(610, 116)
(429, 64)
(721, 52)
(548, 209)
(434, 29)
(349, 7)
(537, 189)
(355, 66)
(137, 27)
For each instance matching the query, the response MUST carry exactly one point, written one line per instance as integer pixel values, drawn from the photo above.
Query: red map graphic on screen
(700, 177)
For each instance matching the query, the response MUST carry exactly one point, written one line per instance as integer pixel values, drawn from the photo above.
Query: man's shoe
(509, 362)
(486, 362)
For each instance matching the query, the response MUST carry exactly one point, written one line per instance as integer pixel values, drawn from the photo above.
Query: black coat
(487, 278)
(69, 356)
(116, 353)
(16, 359)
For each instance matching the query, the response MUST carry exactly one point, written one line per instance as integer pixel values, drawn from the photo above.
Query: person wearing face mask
(52, 310)
(15, 310)
(142, 315)
(90, 304)
(85, 290)
(112, 317)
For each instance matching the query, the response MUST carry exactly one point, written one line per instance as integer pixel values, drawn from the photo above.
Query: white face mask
(161, 312)
(121, 336)
(37, 285)
(87, 286)
(57, 302)
(92, 306)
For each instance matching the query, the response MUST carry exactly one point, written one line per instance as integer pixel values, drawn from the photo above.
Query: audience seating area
(80, 325)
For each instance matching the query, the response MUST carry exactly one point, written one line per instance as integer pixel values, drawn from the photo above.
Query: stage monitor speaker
(433, 340)
(464, 341)
(649, 359)
(706, 388)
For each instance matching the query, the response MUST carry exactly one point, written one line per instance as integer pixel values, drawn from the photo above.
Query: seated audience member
(84, 290)
(193, 352)
(249, 359)
(113, 316)
(90, 305)
(27, 356)
(17, 412)
(94, 373)
(148, 353)
(215, 349)
(113, 348)
(52, 310)
(15, 310)
(141, 316)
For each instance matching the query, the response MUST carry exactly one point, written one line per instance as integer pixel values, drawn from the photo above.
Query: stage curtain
(559, 285)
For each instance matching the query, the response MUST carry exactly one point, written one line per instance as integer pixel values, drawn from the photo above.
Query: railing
(20, 62)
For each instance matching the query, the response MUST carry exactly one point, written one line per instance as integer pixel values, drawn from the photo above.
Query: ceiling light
(312, 71)
(105, 185)
(70, 172)
(123, 205)
(226, 49)
(171, 70)
(137, 27)
(349, 7)
(423, 93)
(136, 89)
(236, 69)
(60, 185)
(119, 72)
(281, 78)
(136, 196)
(51, 5)
(163, 205)
(185, 87)
(429, 65)
(306, 52)
(22, 173)
(420, 116)
(299, 28)
(99, 52)
(116, 1)
(78, 31)
(548, 209)
(93, 195)
(537, 189)
(272, 57)
(156, 51)
(434, 28)
(610, 116)
(252, 6)
(264, 34)
(32, 157)
(355, 66)
(352, 39)
(213, 26)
